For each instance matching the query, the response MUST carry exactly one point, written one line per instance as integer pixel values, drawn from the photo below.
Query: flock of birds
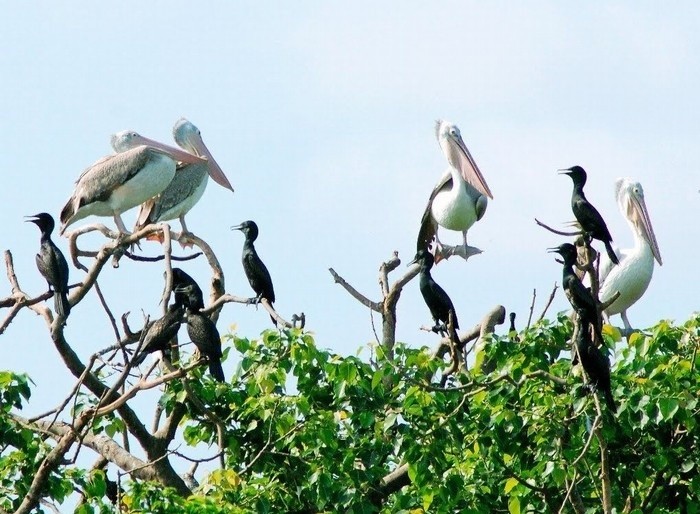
(460, 199)
(166, 182)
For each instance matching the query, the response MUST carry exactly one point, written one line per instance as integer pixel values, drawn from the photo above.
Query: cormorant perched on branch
(594, 363)
(254, 268)
(512, 331)
(194, 299)
(590, 220)
(203, 333)
(160, 333)
(52, 264)
(435, 296)
(579, 296)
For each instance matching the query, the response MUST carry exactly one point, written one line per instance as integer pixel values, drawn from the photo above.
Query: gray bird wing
(428, 225)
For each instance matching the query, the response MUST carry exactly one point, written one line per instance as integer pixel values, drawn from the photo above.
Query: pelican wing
(187, 179)
(428, 225)
(606, 265)
(98, 181)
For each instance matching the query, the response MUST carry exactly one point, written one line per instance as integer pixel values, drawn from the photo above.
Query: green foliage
(307, 430)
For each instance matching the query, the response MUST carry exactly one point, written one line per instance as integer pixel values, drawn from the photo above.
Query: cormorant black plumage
(578, 295)
(52, 264)
(160, 333)
(204, 334)
(594, 363)
(512, 331)
(194, 299)
(588, 217)
(435, 296)
(254, 268)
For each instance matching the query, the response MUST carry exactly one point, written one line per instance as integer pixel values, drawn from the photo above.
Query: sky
(322, 116)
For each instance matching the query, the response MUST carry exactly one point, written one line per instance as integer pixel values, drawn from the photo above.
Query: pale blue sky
(322, 116)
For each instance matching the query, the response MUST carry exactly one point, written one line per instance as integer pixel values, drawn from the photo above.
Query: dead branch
(375, 306)
(558, 232)
(549, 302)
(532, 308)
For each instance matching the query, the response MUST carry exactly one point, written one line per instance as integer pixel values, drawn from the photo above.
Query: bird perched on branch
(579, 296)
(460, 197)
(633, 274)
(435, 297)
(160, 333)
(187, 186)
(193, 299)
(203, 333)
(588, 217)
(254, 268)
(52, 264)
(594, 363)
(141, 169)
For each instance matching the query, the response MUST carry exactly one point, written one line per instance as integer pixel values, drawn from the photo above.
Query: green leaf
(510, 483)
(668, 408)
(514, 505)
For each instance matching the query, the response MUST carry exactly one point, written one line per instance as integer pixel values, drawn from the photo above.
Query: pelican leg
(438, 254)
(623, 315)
(184, 238)
(120, 224)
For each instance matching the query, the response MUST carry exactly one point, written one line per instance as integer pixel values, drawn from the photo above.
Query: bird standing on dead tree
(460, 197)
(52, 264)
(141, 169)
(193, 299)
(579, 296)
(254, 268)
(160, 333)
(187, 186)
(633, 274)
(588, 217)
(203, 333)
(435, 297)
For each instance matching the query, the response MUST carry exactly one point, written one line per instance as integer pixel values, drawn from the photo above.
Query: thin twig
(532, 308)
(558, 232)
(549, 302)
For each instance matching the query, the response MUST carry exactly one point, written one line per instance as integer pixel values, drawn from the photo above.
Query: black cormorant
(194, 299)
(52, 264)
(204, 335)
(254, 268)
(578, 295)
(594, 363)
(435, 296)
(160, 333)
(512, 331)
(588, 217)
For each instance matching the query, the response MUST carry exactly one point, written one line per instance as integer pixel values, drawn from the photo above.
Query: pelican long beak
(459, 156)
(175, 153)
(215, 171)
(639, 216)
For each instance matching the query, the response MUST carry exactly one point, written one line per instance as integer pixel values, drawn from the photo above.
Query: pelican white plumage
(139, 170)
(632, 276)
(188, 184)
(460, 197)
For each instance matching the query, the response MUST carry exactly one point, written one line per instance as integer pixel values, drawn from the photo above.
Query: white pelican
(188, 184)
(460, 197)
(141, 169)
(632, 276)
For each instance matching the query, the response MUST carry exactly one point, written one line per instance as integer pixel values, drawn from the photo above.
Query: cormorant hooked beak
(237, 227)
